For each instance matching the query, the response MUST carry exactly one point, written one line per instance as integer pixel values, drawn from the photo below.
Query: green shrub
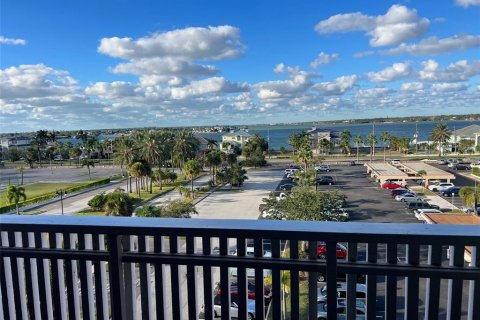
(476, 171)
(98, 201)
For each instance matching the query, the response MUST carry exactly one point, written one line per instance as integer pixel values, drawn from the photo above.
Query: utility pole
(61, 193)
(415, 136)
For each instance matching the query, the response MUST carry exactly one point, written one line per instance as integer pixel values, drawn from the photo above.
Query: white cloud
(298, 81)
(398, 25)
(412, 86)
(111, 90)
(215, 85)
(323, 59)
(433, 45)
(467, 3)
(395, 72)
(448, 87)
(211, 43)
(373, 92)
(337, 87)
(459, 71)
(12, 41)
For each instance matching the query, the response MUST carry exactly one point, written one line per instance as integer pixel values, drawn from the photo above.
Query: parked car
(390, 185)
(413, 205)
(395, 162)
(409, 197)
(441, 186)
(291, 170)
(361, 291)
(419, 212)
(399, 191)
(325, 180)
(461, 166)
(441, 161)
(322, 250)
(475, 165)
(451, 191)
(341, 312)
(281, 196)
(217, 308)
(286, 187)
(322, 167)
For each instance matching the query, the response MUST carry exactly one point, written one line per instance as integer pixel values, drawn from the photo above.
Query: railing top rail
(243, 228)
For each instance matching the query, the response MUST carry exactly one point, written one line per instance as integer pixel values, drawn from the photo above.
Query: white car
(408, 197)
(322, 167)
(342, 291)
(475, 165)
(217, 309)
(291, 170)
(441, 186)
(419, 212)
(395, 162)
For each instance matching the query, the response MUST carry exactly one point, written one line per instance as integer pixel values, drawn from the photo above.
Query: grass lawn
(89, 212)
(303, 301)
(37, 189)
(146, 195)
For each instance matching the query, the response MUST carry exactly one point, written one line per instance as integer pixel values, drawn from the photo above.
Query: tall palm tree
(191, 169)
(345, 137)
(372, 141)
(305, 155)
(40, 141)
(357, 140)
(440, 135)
(21, 170)
(185, 146)
(150, 151)
(385, 137)
(14, 194)
(89, 164)
(125, 152)
(136, 171)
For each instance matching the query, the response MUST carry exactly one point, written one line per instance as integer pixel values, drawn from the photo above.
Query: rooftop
(452, 218)
(468, 131)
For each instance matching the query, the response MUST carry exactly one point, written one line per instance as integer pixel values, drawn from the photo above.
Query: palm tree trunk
(17, 207)
(384, 154)
(357, 153)
(151, 186)
(192, 186)
(160, 177)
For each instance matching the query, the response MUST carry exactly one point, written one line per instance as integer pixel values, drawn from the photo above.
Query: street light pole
(61, 193)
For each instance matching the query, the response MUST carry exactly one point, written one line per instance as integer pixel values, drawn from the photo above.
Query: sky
(68, 65)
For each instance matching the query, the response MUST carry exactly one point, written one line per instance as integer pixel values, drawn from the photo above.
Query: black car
(461, 166)
(412, 206)
(286, 187)
(451, 191)
(326, 180)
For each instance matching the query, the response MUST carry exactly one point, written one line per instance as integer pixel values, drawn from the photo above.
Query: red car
(390, 185)
(322, 251)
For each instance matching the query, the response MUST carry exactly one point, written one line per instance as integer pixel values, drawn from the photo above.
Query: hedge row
(51, 195)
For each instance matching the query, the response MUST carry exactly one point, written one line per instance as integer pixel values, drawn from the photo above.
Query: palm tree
(325, 146)
(185, 146)
(212, 144)
(150, 151)
(191, 169)
(372, 141)
(385, 137)
(14, 194)
(440, 135)
(421, 174)
(88, 163)
(136, 171)
(345, 137)
(357, 140)
(124, 155)
(40, 141)
(305, 155)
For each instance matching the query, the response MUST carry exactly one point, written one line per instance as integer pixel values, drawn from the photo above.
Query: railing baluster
(331, 274)
(104, 278)
(144, 269)
(117, 284)
(15, 277)
(175, 283)
(455, 286)
(224, 281)
(56, 304)
(42, 294)
(432, 293)
(294, 283)
(259, 278)
(411, 283)
(312, 283)
(3, 280)
(159, 281)
(242, 281)
(276, 283)
(474, 286)
(69, 278)
(207, 280)
(83, 279)
(391, 284)
(351, 282)
(191, 281)
(98, 279)
(371, 302)
(28, 278)
(129, 274)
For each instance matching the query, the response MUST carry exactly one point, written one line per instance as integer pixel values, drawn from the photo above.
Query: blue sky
(113, 64)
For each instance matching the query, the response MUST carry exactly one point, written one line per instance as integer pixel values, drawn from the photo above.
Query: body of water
(278, 134)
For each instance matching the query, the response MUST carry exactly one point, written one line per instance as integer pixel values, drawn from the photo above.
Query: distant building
(318, 134)
(204, 145)
(19, 142)
(236, 138)
(471, 132)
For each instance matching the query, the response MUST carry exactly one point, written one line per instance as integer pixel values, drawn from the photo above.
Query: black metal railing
(55, 267)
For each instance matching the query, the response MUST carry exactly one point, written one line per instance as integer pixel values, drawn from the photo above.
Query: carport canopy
(385, 171)
(432, 173)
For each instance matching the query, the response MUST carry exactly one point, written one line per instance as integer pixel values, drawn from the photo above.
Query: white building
(471, 132)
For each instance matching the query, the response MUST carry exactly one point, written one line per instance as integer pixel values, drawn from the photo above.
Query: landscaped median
(39, 192)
